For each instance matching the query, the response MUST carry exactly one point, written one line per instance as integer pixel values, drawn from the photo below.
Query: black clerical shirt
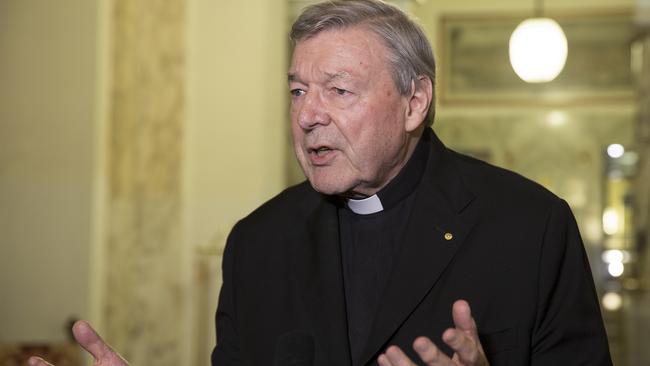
(370, 243)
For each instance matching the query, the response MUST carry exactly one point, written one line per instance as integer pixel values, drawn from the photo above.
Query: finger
(37, 361)
(383, 360)
(397, 357)
(429, 353)
(462, 315)
(465, 347)
(90, 340)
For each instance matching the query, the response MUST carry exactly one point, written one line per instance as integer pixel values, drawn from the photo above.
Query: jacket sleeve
(227, 349)
(568, 326)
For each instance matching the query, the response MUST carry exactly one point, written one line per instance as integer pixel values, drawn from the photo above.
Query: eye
(297, 92)
(340, 91)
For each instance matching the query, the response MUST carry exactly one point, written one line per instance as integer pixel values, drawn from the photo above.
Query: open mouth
(320, 150)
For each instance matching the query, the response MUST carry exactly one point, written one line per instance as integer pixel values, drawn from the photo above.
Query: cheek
(383, 142)
(381, 125)
(296, 131)
(297, 140)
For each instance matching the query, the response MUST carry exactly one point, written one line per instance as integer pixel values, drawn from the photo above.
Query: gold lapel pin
(449, 236)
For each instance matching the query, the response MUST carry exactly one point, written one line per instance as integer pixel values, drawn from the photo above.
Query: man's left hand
(463, 339)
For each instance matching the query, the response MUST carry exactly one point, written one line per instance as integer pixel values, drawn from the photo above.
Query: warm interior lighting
(613, 255)
(611, 222)
(538, 50)
(612, 301)
(615, 151)
(556, 118)
(616, 269)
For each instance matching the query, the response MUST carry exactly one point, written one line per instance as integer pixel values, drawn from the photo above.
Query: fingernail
(420, 347)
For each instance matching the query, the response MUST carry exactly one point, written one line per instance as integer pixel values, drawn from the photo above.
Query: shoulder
(262, 241)
(504, 190)
(288, 208)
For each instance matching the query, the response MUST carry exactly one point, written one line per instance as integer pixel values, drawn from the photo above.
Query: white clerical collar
(366, 206)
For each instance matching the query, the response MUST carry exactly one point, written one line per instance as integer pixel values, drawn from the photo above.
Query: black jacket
(515, 255)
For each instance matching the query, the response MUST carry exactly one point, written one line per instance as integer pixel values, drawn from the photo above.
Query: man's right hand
(91, 342)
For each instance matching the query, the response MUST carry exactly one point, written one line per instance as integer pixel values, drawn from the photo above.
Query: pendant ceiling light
(538, 48)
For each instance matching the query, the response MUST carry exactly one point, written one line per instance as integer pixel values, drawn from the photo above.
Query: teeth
(321, 150)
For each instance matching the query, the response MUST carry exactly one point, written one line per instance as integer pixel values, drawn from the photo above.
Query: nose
(312, 111)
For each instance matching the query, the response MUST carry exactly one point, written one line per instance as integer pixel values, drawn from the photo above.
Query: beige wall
(235, 150)
(236, 111)
(47, 126)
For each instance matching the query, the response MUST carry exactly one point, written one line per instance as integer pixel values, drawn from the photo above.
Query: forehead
(349, 51)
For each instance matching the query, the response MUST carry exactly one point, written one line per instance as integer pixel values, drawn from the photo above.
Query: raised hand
(91, 342)
(463, 339)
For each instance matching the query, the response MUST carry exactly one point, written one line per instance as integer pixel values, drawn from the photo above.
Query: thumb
(91, 341)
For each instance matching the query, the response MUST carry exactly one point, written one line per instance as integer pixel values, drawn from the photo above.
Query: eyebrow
(291, 77)
(338, 75)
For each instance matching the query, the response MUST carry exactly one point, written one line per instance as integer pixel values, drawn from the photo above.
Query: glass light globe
(538, 50)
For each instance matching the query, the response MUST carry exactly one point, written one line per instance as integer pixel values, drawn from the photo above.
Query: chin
(328, 189)
(331, 187)
(331, 181)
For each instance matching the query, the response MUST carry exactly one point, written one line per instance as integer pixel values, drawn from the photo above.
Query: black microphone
(294, 349)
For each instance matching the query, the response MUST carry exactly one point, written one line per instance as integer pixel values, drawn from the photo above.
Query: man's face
(347, 116)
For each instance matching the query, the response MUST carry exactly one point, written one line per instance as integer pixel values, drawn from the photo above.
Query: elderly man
(377, 258)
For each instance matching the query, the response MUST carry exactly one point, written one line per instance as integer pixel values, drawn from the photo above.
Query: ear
(419, 102)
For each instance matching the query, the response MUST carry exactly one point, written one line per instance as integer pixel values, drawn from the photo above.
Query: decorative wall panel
(146, 293)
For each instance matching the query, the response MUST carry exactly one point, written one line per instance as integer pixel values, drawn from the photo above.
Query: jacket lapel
(442, 217)
(318, 268)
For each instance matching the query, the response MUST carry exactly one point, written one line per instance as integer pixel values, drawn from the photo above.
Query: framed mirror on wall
(475, 66)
